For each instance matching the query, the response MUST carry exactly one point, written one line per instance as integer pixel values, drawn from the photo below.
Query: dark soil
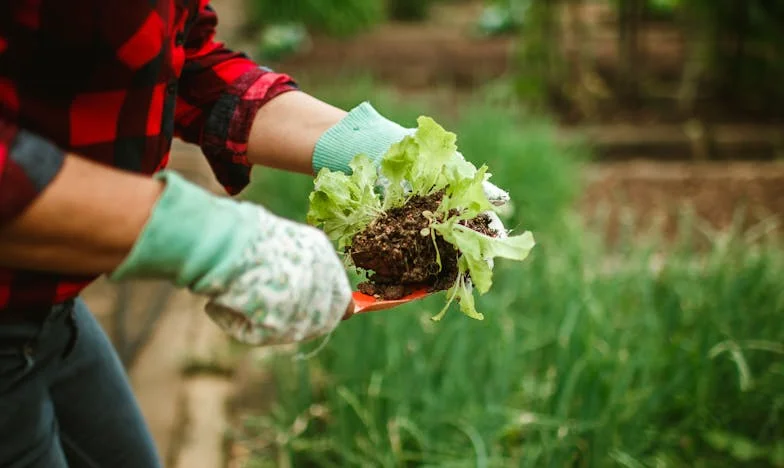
(402, 259)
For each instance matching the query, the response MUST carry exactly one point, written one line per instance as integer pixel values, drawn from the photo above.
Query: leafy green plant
(420, 165)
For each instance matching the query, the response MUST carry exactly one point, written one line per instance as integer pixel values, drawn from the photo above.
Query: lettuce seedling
(421, 164)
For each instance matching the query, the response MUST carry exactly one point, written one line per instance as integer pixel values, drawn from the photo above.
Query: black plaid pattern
(115, 81)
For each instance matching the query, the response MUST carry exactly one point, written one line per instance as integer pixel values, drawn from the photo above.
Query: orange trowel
(364, 303)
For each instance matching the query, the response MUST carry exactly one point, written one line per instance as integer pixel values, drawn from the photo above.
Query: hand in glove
(269, 280)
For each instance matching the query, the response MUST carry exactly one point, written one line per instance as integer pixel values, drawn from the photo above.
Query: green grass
(335, 17)
(580, 361)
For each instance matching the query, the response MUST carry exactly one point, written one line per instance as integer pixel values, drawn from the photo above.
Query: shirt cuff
(28, 164)
(227, 128)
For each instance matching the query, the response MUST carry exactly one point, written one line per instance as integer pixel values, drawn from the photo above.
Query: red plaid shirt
(114, 82)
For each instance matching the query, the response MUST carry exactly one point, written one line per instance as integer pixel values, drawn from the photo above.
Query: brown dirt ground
(412, 55)
(714, 192)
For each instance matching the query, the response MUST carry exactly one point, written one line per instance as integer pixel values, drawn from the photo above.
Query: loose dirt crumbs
(399, 251)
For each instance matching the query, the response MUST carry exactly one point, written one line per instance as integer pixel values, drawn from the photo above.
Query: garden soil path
(715, 192)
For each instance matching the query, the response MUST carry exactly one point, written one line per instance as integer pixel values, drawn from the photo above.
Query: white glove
(292, 286)
(268, 280)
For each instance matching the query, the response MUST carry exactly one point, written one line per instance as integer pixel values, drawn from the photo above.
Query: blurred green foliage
(336, 17)
(537, 64)
(280, 40)
(663, 8)
(580, 364)
(409, 10)
(501, 17)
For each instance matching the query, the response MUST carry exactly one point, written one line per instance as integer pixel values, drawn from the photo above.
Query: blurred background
(641, 142)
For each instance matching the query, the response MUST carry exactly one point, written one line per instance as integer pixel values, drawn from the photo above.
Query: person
(91, 95)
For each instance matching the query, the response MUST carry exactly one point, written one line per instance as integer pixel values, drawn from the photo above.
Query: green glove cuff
(362, 131)
(192, 238)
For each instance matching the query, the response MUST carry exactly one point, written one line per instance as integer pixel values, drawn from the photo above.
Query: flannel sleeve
(218, 96)
(28, 163)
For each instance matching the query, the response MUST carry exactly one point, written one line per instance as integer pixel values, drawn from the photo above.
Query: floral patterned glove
(269, 280)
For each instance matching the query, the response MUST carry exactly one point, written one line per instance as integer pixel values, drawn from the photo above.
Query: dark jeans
(65, 400)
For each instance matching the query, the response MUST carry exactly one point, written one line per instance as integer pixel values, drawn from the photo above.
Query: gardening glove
(365, 131)
(269, 280)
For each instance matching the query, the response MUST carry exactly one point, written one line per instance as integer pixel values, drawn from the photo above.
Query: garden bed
(721, 195)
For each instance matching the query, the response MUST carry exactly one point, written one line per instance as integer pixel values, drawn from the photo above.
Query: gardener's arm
(242, 114)
(74, 226)
(219, 94)
(285, 132)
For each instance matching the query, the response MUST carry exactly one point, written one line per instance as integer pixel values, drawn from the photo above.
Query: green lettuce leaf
(476, 249)
(422, 163)
(465, 199)
(466, 195)
(396, 166)
(343, 205)
(461, 291)
(511, 247)
(437, 148)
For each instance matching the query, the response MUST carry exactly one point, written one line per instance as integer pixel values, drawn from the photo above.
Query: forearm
(85, 222)
(286, 129)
